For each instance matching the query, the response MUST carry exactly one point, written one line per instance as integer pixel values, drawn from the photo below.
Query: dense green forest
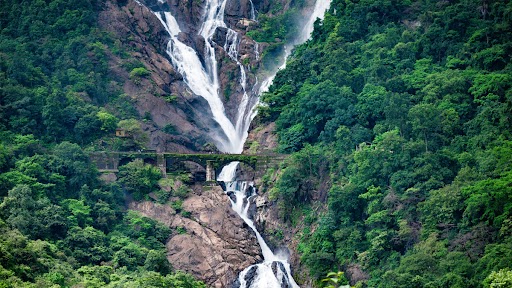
(398, 115)
(60, 226)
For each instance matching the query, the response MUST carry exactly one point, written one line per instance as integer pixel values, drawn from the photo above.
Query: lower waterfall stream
(275, 270)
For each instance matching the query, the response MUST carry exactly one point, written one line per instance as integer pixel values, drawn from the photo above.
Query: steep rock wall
(214, 245)
(140, 33)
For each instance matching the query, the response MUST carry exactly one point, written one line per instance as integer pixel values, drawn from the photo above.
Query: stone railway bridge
(212, 163)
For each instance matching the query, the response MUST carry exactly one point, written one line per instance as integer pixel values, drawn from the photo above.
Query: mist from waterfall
(307, 28)
(318, 12)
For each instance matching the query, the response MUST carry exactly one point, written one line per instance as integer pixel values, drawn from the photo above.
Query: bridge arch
(147, 158)
(253, 165)
(198, 170)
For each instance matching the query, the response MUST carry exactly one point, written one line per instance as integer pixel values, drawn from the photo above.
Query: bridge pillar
(162, 164)
(210, 170)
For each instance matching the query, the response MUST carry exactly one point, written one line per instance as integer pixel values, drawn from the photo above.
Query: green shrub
(139, 72)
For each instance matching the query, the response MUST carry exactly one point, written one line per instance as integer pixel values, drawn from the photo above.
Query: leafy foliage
(60, 226)
(139, 179)
(408, 105)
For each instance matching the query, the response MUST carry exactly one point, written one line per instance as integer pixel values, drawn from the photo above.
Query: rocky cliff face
(174, 117)
(213, 243)
(138, 31)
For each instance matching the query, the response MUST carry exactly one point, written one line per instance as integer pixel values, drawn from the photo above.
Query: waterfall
(275, 270)
(318, 12)
(202, 79)
(253, 13)
(245, 112)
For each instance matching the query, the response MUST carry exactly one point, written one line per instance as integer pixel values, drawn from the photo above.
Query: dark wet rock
(220, 36)
(250, 190)
(250, 275)
(222, 185)
(231, 196)
(278, 266)
(236, 283)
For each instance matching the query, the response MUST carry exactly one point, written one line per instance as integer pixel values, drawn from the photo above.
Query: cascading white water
(253, 11)
(201, 81)
(202, 78)
(245, 113)
(275, 270)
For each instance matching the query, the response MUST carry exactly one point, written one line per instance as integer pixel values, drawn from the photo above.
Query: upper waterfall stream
(202, 76)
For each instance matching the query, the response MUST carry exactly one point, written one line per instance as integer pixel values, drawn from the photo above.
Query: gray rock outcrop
(214, 244)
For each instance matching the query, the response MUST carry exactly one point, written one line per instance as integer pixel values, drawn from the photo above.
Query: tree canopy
(403, 109)
(60, 226)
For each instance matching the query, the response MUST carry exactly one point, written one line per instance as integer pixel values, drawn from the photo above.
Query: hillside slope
(398, 114)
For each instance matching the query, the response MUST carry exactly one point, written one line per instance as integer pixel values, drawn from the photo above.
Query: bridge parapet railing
(110, 160)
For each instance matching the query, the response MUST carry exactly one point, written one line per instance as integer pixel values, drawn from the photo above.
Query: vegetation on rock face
(139, 179)
(398, 117)
(59, 225)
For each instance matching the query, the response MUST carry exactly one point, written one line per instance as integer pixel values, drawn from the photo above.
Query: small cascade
(275, 270)
(253, 11)
(257, 51)
(245, 113)
(231, 45)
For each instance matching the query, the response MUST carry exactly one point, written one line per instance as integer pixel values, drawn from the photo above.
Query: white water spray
(318, 12)
(321, 7)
